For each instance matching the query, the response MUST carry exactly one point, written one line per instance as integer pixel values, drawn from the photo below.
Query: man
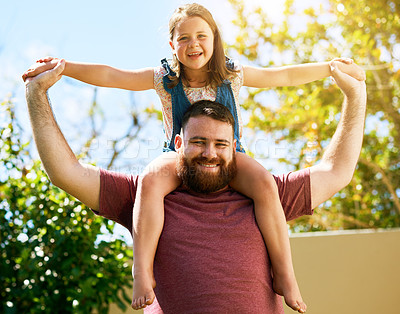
(211, 257)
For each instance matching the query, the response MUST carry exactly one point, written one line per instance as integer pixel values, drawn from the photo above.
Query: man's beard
(202, 181)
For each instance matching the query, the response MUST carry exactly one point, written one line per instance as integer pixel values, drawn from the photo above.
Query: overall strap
(225, 97)
(170, 73)
(179, 103)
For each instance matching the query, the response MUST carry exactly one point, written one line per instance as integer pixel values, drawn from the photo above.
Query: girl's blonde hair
(217, 68)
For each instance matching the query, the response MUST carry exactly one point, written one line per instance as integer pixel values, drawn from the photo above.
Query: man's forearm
(340, 158)
(344, 149)
(53, 149)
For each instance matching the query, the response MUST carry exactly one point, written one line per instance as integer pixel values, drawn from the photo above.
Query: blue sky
(124, 33)
(127, 34)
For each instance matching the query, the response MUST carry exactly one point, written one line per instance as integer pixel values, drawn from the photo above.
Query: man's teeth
(208, 166)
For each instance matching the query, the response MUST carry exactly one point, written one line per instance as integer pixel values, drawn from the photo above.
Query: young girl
(200, 70)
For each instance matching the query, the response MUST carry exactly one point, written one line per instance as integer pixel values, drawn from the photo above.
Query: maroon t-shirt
(211, 257)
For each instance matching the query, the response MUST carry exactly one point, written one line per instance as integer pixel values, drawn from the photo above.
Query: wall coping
(341, 232)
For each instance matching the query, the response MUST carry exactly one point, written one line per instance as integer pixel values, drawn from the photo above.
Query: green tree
(51, 257)
(307, 116)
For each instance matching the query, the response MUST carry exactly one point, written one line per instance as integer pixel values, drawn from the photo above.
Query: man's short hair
(210, 109)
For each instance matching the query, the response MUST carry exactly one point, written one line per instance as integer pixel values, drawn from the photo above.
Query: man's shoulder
(117, 185)
(118, 177)
(117, 196)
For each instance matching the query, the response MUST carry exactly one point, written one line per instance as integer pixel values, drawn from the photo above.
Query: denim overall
(180, 103)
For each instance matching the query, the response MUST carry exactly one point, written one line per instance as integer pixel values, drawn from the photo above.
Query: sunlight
(274, 9)
(224, 14)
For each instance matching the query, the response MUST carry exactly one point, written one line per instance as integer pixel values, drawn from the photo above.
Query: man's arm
(60, 163)
(338, 163)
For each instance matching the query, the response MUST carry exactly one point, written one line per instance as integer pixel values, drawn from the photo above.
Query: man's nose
(209, 151)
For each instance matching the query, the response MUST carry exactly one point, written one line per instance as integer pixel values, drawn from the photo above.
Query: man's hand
(348, 66)
(43, 81)
(350, 86)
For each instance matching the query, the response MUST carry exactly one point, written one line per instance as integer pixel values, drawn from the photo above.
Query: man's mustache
(205, 160)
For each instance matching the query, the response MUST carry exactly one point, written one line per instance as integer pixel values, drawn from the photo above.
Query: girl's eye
(182, 38)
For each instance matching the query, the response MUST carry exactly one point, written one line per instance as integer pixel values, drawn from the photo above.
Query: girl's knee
(154, 177)
(265, 179)
(162, 179)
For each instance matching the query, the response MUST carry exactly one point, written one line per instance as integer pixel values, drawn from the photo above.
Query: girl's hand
(347, 65)
(40, 66)
(46, 59)
(344, 60)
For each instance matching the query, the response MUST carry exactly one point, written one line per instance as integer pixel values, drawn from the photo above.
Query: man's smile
(208, 165)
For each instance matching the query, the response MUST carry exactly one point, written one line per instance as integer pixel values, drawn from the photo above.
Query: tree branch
(385, 179)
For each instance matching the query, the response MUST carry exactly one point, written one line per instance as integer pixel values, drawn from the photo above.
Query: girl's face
(193, 42)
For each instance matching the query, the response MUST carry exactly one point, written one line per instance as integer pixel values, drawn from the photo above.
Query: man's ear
(178, 142)
(234, 145)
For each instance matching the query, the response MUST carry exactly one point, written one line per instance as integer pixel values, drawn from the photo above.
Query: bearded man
(211, 257)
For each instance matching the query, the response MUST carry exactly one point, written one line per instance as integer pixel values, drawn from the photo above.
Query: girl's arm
(98, 74)
(297, 74)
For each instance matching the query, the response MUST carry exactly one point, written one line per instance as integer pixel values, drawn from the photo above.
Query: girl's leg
(256, 182)
(158, 179)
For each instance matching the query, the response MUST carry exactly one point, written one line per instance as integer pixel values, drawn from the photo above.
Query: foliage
(307, 116)
(51, 257)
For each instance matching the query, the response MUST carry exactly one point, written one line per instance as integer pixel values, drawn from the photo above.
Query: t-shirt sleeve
(117, 196)
(295, 193)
